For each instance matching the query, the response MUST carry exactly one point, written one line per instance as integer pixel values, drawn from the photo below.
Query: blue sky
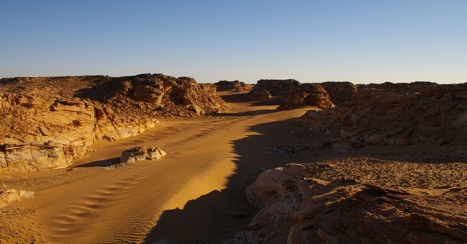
(312, 41)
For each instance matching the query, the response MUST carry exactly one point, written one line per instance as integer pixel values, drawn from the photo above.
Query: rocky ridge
(50, 121)
(395, 114)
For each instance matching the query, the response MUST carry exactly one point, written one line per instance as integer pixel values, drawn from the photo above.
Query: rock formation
(340, 92)
(235, 85)
(395, 114)
(141, 153)
(48, 122)
(297, 207)
(266, 89)
(13, 195)
(307, 95)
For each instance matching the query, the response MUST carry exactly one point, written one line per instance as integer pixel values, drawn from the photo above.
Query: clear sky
(210, 40)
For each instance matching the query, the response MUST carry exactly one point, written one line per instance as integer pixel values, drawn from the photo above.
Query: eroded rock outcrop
(141, 153)
(296, 207)
(235, 85)
(50, 121)
(395, 114)
(266, 89)
(307, 95)
(340, 92)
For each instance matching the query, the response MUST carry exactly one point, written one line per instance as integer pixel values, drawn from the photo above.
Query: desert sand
(95, 202)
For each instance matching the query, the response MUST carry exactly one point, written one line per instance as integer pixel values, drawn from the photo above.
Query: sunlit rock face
(47, 122)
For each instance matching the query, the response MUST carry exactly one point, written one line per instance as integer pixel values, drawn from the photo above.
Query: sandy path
(94, 204)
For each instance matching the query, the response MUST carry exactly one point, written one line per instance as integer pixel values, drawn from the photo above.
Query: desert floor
(196, 193)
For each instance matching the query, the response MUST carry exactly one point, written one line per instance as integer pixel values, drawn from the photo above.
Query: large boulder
(259, 94)
(141, 153)
(307, 95)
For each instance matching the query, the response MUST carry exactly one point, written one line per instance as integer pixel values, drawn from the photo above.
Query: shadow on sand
(100, 163)
(218, 215)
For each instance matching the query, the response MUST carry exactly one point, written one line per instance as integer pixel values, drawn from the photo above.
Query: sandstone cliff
(50, 121)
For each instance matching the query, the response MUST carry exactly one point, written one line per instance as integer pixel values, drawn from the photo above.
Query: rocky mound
(306, 95)
(48, 122)
(291, 94)
(297, 207)
(340, 92)
(235, 85)
(395, 114)
(266, 89)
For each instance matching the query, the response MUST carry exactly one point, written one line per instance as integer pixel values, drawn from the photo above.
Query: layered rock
(49, 122)
(307, 95)
(296, 207)
(395, 114)
(141, 153)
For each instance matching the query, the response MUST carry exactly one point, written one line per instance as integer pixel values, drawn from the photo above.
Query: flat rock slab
(141, 153)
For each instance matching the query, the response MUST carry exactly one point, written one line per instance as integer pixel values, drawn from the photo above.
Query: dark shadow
(100, 163)
(236, 98)
(101, 91)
